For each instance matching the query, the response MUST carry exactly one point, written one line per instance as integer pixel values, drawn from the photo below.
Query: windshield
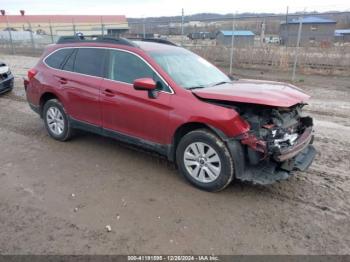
(189, 70)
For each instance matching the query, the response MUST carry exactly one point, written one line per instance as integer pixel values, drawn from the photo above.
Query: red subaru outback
(164, 98)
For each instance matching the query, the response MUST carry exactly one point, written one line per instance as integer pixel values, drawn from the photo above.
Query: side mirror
(146, 84)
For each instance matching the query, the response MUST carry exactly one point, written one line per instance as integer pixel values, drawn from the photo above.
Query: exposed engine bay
(279, 141)
(276, 129)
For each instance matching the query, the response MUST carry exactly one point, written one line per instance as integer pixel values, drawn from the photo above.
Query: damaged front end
(279, 142)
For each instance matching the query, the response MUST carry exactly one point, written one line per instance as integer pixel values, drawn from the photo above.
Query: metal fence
(332, 59)
(29, 40)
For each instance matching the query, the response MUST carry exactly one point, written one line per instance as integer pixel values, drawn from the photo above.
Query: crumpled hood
(255, 92)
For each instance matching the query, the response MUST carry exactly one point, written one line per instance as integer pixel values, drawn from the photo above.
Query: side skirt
(161, 149)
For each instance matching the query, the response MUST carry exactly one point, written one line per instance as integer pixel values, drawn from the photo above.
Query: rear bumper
(6, 84)
(35, 108)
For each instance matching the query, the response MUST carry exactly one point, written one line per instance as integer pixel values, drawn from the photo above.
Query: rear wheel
(204, 160)
(56, 120)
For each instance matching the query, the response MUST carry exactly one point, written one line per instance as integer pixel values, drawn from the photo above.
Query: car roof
(147, 45)
(151, 46)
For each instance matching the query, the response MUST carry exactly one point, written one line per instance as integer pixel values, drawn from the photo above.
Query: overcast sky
(146, 8)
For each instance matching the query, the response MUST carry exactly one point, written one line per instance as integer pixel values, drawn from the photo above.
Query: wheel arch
(44, 98)
(185, 129)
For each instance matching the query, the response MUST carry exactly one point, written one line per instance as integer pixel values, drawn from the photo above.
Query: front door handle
(108, 92)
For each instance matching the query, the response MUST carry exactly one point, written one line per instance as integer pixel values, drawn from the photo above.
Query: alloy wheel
(55, 121)
(202, 162)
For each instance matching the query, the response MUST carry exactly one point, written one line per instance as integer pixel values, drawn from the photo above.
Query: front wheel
(205, 161)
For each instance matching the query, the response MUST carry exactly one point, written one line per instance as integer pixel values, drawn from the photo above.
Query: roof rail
(154, 40)
(93, 39)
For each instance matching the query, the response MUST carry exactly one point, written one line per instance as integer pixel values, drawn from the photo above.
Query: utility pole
(232, 43)
(74, 29)
(31, 35)
(262, 35)
(102, 27)
(169, 25)
(51, 33)
(144, 28)
(297, 48)
(182, 26)
(287, 29)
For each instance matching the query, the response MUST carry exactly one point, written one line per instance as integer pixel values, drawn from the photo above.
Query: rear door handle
(108, 92)
(62, 81)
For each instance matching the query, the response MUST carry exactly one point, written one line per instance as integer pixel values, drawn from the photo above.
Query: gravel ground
(149, 207)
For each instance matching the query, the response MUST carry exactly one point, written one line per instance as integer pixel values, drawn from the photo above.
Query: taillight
(31, 73)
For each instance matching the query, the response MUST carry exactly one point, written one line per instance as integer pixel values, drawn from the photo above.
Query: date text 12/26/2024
(174, 258)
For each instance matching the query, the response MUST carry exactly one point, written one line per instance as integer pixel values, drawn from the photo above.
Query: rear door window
(69, 64)
(56, 59)
(89, 61)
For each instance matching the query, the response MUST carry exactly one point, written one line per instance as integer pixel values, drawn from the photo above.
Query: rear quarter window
(56, 59)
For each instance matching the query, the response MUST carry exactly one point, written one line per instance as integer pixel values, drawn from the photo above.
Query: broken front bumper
(303, 141)
(268, 172)
(279, 166)
(304, 159)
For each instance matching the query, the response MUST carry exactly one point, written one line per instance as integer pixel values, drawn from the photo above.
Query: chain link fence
(265, 51)
(28, 40)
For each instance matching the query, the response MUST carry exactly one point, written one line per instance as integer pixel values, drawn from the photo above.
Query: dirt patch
(149, 207)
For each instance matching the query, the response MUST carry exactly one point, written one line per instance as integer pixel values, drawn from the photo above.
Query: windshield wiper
(221, 83)
(194, 87)
(216, 84)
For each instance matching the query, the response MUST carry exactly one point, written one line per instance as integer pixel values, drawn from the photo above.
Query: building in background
(60, 25)
(316, 31)
(342, 35)
(242, 38)
(201, 35)
(142, 35)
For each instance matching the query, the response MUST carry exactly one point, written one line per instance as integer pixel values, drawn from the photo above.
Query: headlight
(4, 69)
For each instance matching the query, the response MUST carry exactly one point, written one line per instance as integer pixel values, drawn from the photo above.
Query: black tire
(226, 174)
(67, 130)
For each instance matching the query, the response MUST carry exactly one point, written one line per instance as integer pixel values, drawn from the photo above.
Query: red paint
(81, 95)
(254, 143)
(133, 113)
(256, 92)
(118, 106)
(144, 83)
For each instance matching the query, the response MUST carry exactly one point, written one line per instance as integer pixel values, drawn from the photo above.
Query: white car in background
(6, 78)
